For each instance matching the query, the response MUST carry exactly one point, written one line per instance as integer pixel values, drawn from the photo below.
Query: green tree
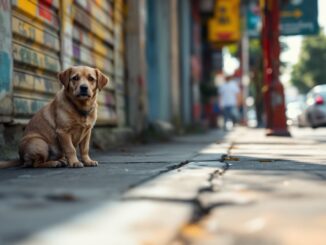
(311, 67)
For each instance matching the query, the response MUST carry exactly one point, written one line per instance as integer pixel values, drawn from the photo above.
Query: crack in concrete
(167, 169)
(200, 211)
(135, 162)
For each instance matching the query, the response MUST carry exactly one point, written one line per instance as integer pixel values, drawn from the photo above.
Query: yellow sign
(225, 25)
(296, 13)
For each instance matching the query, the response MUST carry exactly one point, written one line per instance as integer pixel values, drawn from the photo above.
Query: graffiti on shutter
(119, 61)
(36, 55)
(88, 31)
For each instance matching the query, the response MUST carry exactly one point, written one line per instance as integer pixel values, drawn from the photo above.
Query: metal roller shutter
(51, 35)
(88, 39)
(36, 55)
(119, 50)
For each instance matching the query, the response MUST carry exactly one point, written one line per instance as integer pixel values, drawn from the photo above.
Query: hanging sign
(225, 24)
(300, 17)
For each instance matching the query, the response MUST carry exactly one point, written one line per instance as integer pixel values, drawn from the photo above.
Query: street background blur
(166, 60)
(188, 130)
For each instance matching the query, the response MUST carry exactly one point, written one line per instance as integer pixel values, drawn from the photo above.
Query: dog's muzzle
(83, 91)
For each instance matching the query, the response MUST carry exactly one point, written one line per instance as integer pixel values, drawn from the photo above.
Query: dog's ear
(64, 77)
(102, 80)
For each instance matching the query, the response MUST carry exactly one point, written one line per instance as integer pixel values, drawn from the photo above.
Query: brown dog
(53, 134)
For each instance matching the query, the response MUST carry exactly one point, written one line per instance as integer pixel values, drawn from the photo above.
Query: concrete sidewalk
(32, 200)
(241, 188)
(273, 192)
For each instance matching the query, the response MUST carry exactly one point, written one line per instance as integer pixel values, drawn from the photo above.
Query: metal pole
(245, 63)
(273, 89)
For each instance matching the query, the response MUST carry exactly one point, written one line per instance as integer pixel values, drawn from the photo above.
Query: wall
(47, 36)
(136, 63)
(119, 61)
(175, 64)
(159, 60)
(36, 55)
(88, 39)
(196, 61)
(5, 61)
(185, 49)
(153, 74)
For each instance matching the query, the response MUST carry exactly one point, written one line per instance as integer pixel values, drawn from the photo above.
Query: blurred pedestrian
(229, 93)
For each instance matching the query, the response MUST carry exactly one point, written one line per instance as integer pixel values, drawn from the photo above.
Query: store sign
(253, 20)
(300, 17)
(225, 24)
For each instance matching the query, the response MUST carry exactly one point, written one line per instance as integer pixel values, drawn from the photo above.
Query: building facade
(150, 49)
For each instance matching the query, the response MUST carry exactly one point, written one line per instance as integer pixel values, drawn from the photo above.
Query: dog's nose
(83, 88)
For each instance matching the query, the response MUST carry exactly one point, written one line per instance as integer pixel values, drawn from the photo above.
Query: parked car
(314, 114)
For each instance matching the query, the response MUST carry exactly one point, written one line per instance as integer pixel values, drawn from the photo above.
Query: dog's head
(82, 82)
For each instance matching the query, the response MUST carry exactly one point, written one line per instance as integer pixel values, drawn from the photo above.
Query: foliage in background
(311, 67)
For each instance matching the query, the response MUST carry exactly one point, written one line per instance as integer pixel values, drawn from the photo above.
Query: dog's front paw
(90, 163)
(76, 165)
(62, 163)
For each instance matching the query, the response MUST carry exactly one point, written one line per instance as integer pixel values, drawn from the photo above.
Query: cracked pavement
(241, 188)
(273, 192)
(32, 200)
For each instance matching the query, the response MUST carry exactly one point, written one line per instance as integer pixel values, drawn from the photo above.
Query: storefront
(48, 36)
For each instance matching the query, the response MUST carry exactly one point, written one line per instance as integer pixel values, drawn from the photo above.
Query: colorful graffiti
(35, 41)
(5, 47)
(5, 61)
(26, 107)
(35, 53)
(92, 42)
(38, 34)
(34, 57)
(86, 56)
(5, 64)
(90, 23)
(43, 9)
(101, 11)
(35, 83)
(40, 10)
(35, 25)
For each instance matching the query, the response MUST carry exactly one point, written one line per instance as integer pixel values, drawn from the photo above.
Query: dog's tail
(10, 164)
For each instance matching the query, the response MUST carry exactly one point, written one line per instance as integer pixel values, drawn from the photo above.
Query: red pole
(273, 89)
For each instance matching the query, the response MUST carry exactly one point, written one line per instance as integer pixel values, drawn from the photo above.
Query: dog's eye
(91, 79)
(75, 78)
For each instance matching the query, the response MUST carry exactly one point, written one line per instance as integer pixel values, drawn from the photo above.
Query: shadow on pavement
(34, 199)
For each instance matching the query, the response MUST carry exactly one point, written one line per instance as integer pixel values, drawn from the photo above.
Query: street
(150, 92)
(213, 188)
(32, 199)
(272, 193)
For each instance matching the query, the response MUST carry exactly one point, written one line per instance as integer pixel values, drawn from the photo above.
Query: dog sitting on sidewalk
(53, 134)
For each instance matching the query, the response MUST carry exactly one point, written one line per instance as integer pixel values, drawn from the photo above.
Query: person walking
(229, 94)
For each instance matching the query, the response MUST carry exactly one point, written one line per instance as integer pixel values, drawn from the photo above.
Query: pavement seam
(200, 211)
(167, 169)
(177, 166)
(205, 210)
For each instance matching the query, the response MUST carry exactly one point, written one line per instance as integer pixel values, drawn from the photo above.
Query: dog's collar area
(83, 113)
